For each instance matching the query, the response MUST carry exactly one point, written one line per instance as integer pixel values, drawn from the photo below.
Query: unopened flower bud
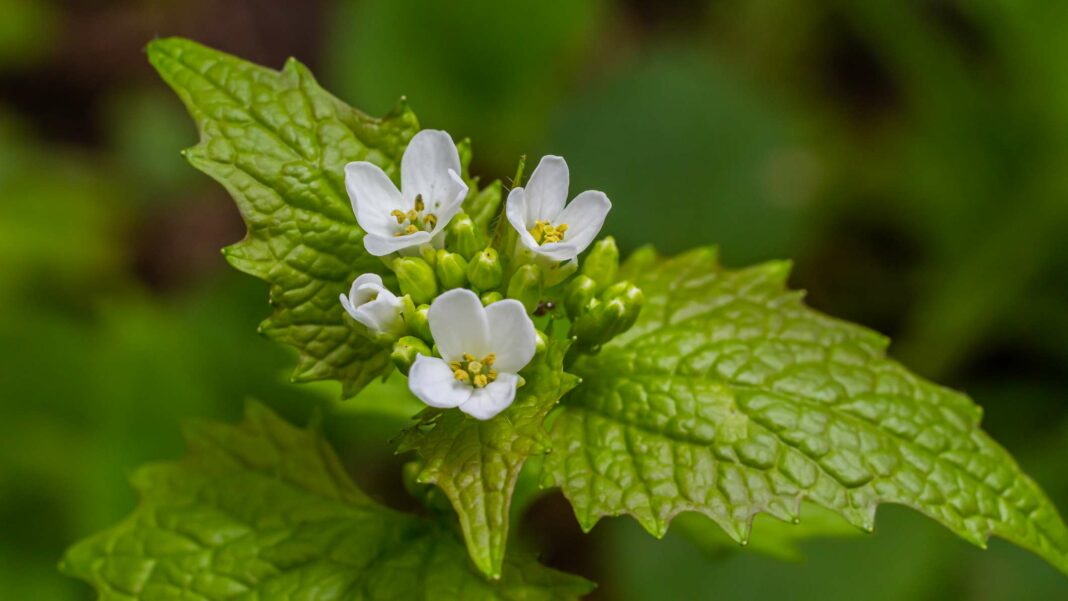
(406, 350)
(451, 269)
(613, 314)
(579, 294)
(525, 286)
(602, 264)
(541, 343)
(463, 237)
(484, 270)
(491, 297)
(416, 279)
(418, 322)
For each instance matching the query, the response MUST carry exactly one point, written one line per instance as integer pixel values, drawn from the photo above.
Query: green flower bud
(416, 279)
(525, 286)
(462, 237)
(406, 350)
(578, 295)
(491, 297)
(418, 323)
(541, 342)
(613, 314)
(602, 264)
(451, 269)
(484, 270)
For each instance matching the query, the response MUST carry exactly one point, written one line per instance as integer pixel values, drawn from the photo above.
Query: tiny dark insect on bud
(544, 308)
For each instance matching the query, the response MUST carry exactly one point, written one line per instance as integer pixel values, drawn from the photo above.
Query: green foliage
(476, 463)
(265, 510)
(731, 398)
(278, 143)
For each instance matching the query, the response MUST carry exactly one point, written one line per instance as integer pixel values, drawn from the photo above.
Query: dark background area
(909, 156)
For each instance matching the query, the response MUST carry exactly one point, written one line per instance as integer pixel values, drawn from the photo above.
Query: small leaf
(279, 143)
(264, 510)
(730, 398)
(476, 463)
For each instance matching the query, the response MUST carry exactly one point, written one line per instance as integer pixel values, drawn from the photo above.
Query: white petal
(487, 402)
(432, 381)
(425, 168)
(364, 288)
(445, 211)
(511, 334)
(557, 251)
(458, 324)
(381, 315)
(383, 245)
(547, 189)
(584, 218)
(347, 305)
(373, 197)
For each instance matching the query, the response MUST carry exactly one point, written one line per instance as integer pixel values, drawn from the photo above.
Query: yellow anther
(474, 367)
(430, 220)
(399, 215)
(413, 216)
(469, 357)
(411, 229)
(461, 375)
(481, 380)
(419, 206)
(456, 365)
(492, 375)
(545, 232)
(489, 359)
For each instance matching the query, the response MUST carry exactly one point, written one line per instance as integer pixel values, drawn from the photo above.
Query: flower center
(473, 371)
(415, 219)
(545, 232)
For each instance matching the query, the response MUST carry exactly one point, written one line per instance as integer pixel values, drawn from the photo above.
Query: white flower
(372, 304)
(482, 350)
(430, 196)
(545, 226)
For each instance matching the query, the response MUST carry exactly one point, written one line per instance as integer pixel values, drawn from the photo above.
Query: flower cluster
(470, 291)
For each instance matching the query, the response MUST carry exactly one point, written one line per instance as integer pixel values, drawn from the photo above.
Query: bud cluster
(528, 255)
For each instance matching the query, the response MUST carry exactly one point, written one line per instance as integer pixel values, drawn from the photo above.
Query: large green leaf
(476, 463)
(264, 510)
(279, 143)
(729, 397)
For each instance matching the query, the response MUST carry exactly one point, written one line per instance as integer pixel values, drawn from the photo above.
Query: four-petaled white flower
(545, 226)
(372, 304)
(430, 195)
(482, 350)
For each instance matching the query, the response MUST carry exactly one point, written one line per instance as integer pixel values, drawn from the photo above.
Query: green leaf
(730, 398)
(771, 537)
(264, 510)
(476, 463)
(279, 143)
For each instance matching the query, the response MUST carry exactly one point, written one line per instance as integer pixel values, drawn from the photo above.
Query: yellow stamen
(430, 220)
(471, 370)
(399, 215)
(419, 206)
(411, 229)
(544, 232)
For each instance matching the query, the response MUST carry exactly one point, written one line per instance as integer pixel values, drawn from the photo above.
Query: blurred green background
(910, 156)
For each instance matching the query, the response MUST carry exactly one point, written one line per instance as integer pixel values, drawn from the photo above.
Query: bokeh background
(909, 156)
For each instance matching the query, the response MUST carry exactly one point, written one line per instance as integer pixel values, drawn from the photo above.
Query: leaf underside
(264, 510)
(476, 463)
(279, 143)
(731, 398)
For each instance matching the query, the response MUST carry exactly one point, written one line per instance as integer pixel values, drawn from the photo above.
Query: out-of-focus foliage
(908, 156)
